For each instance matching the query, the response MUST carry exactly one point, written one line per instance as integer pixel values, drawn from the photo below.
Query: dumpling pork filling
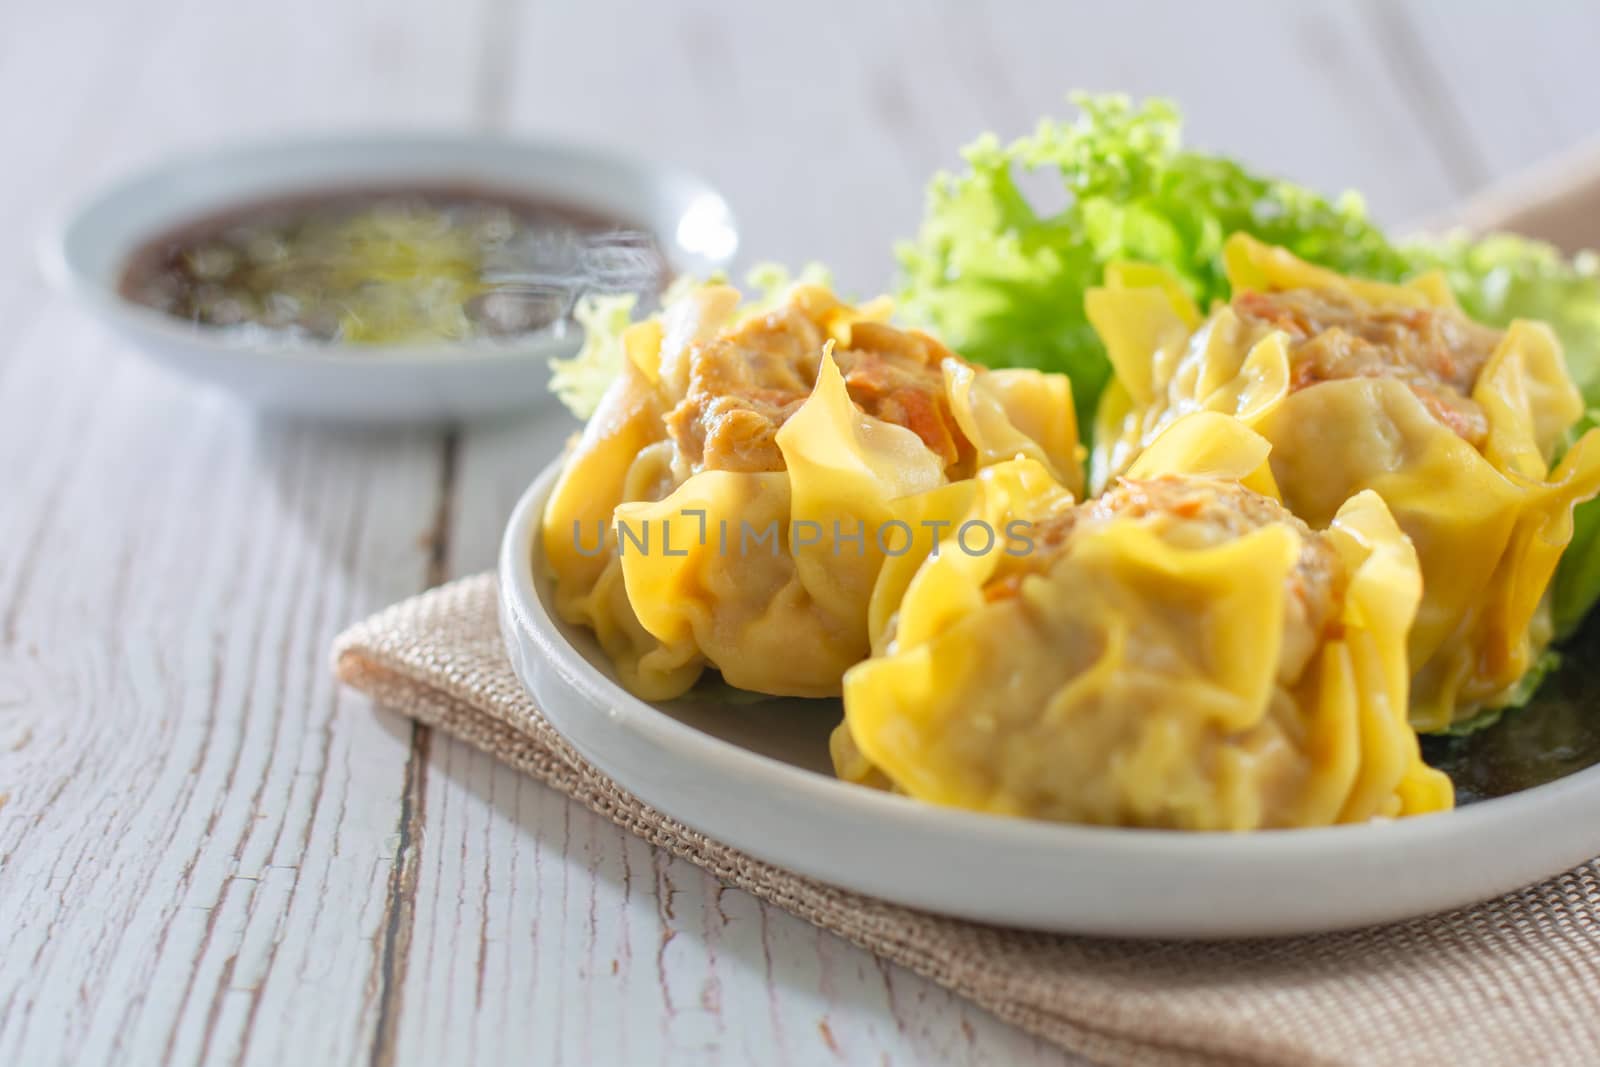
(746, 382)
(1437, 352)
(1197, 513)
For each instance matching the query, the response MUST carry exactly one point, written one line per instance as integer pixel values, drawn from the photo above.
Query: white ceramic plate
(86, 253)
(756, 777)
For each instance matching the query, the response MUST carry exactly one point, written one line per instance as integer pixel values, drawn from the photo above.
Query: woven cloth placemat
(1516, 981)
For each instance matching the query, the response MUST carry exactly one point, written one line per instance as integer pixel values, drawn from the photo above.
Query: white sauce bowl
(88, 251)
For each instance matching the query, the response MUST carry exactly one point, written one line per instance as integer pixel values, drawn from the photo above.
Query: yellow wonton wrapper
(1134, 682)
(1489, 526)
(765, 576)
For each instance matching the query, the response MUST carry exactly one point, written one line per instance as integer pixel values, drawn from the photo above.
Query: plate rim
(525, 618)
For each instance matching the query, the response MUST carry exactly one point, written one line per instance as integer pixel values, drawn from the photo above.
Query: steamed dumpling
(1181, 652)
(731, 501)
(1360, 385)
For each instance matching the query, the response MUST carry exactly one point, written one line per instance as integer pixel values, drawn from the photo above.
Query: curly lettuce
(580, 382)
(1000, 276)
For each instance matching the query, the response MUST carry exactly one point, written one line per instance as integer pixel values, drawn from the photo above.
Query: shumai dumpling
(1360, 385)
(733, 497)
(1180, 652)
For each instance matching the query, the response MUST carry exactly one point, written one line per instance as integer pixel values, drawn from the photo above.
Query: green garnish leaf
(1001, 277)
(581, 381)
(1517, 698)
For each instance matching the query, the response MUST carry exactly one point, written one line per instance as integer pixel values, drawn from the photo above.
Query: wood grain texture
(1499, 87)
(210, 854)
(195, 853)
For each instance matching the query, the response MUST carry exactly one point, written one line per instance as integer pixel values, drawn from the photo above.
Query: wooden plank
(1293, 90)
(207, 852)
(191, 784)
(823, 129)
(1497, 87)
(199, 828)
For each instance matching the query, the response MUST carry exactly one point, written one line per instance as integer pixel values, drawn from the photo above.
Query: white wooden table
(208, 852)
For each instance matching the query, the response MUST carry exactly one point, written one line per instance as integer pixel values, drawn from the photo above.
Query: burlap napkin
(1515, 981)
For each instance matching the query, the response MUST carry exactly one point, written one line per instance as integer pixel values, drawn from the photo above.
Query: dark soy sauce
(411, 265)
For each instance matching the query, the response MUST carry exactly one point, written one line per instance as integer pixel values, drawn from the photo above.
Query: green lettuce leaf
(1000, 275)
(581, 381)
(1519, 696)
